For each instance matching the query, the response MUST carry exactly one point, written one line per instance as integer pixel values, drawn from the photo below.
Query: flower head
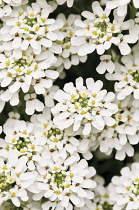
(79, 105)
(124, 189)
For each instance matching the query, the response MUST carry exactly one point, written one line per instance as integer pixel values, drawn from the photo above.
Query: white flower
(62, 182)
(124, 189)
(14, 178)
(123, 134)
(6, 96)
(22, 138)
(49, 95)
(98, 32)
(58, 143)
(25, 205)
(127, 76)
(14, 2)
(26, 71)
(32, 104)
(79, 105)
(29, 26)
(67, 56)
(101, 199)
(122, 5)
(105, 64)
(87, 206)
(88, 144)
(6, 6)
(125, 40)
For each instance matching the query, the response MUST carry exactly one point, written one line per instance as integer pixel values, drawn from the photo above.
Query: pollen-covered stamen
(102, 26)
(31, 21)
(23, 66)
(81, 103)
(29, 24)
(22, 143)
(22, 62)
(59, 179)
(54, 134)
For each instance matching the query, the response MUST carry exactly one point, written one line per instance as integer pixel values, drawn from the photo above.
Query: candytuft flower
(90, 107)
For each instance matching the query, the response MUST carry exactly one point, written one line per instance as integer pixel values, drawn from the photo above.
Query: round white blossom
(101, 199)
(127, 76)
(98, 32)
(123, 134)
(58, 143)
(27, 69)
(69, 55)
(79, 105)
(62, 182)
(6, 6)
(30, 26)
(14, 179)
(124, 189)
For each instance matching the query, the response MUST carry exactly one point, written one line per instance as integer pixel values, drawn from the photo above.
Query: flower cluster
(127, 76)
(60, 141)
(14, 179)
(89, 106)
(102, 199)
(6, 6)
(124, 189)
(98, 32)
(69, 55)
(123, 133)
(49, 165)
